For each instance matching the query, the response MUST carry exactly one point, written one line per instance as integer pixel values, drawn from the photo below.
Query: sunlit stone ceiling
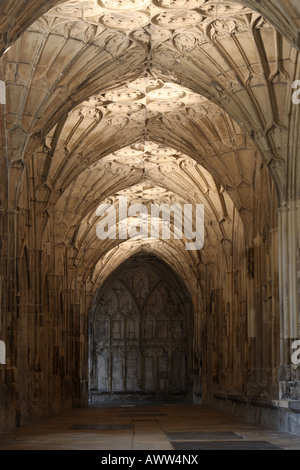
(146, 172)
(164, 101)
(15, 17)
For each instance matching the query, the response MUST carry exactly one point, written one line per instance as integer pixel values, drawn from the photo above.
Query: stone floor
(163, 427)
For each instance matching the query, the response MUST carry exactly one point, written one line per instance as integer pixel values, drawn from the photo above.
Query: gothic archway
(141, 335)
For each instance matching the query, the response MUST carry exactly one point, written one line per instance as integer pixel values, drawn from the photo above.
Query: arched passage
(160, 105)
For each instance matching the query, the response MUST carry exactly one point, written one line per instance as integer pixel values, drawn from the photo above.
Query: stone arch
(54, 133)
(267, 134)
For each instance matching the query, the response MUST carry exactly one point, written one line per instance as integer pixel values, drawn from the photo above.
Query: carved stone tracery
(163, 101)
(139, 344)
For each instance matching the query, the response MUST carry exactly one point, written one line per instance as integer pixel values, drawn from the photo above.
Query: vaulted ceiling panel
(162, 101)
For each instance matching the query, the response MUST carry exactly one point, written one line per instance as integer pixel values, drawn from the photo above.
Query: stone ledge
(294, 406)
(262, 402)
(238, 397)
(220, 396)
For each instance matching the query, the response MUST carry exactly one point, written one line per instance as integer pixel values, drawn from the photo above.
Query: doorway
(140, 336)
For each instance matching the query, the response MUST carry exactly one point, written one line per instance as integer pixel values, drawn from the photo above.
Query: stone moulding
(2, 353)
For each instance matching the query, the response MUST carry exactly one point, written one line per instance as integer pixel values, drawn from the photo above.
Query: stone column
(288, 255)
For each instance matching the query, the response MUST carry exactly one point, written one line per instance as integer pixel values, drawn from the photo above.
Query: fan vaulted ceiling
(164, 101)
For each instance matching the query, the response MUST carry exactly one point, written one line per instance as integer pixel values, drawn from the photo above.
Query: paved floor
(163, 427)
